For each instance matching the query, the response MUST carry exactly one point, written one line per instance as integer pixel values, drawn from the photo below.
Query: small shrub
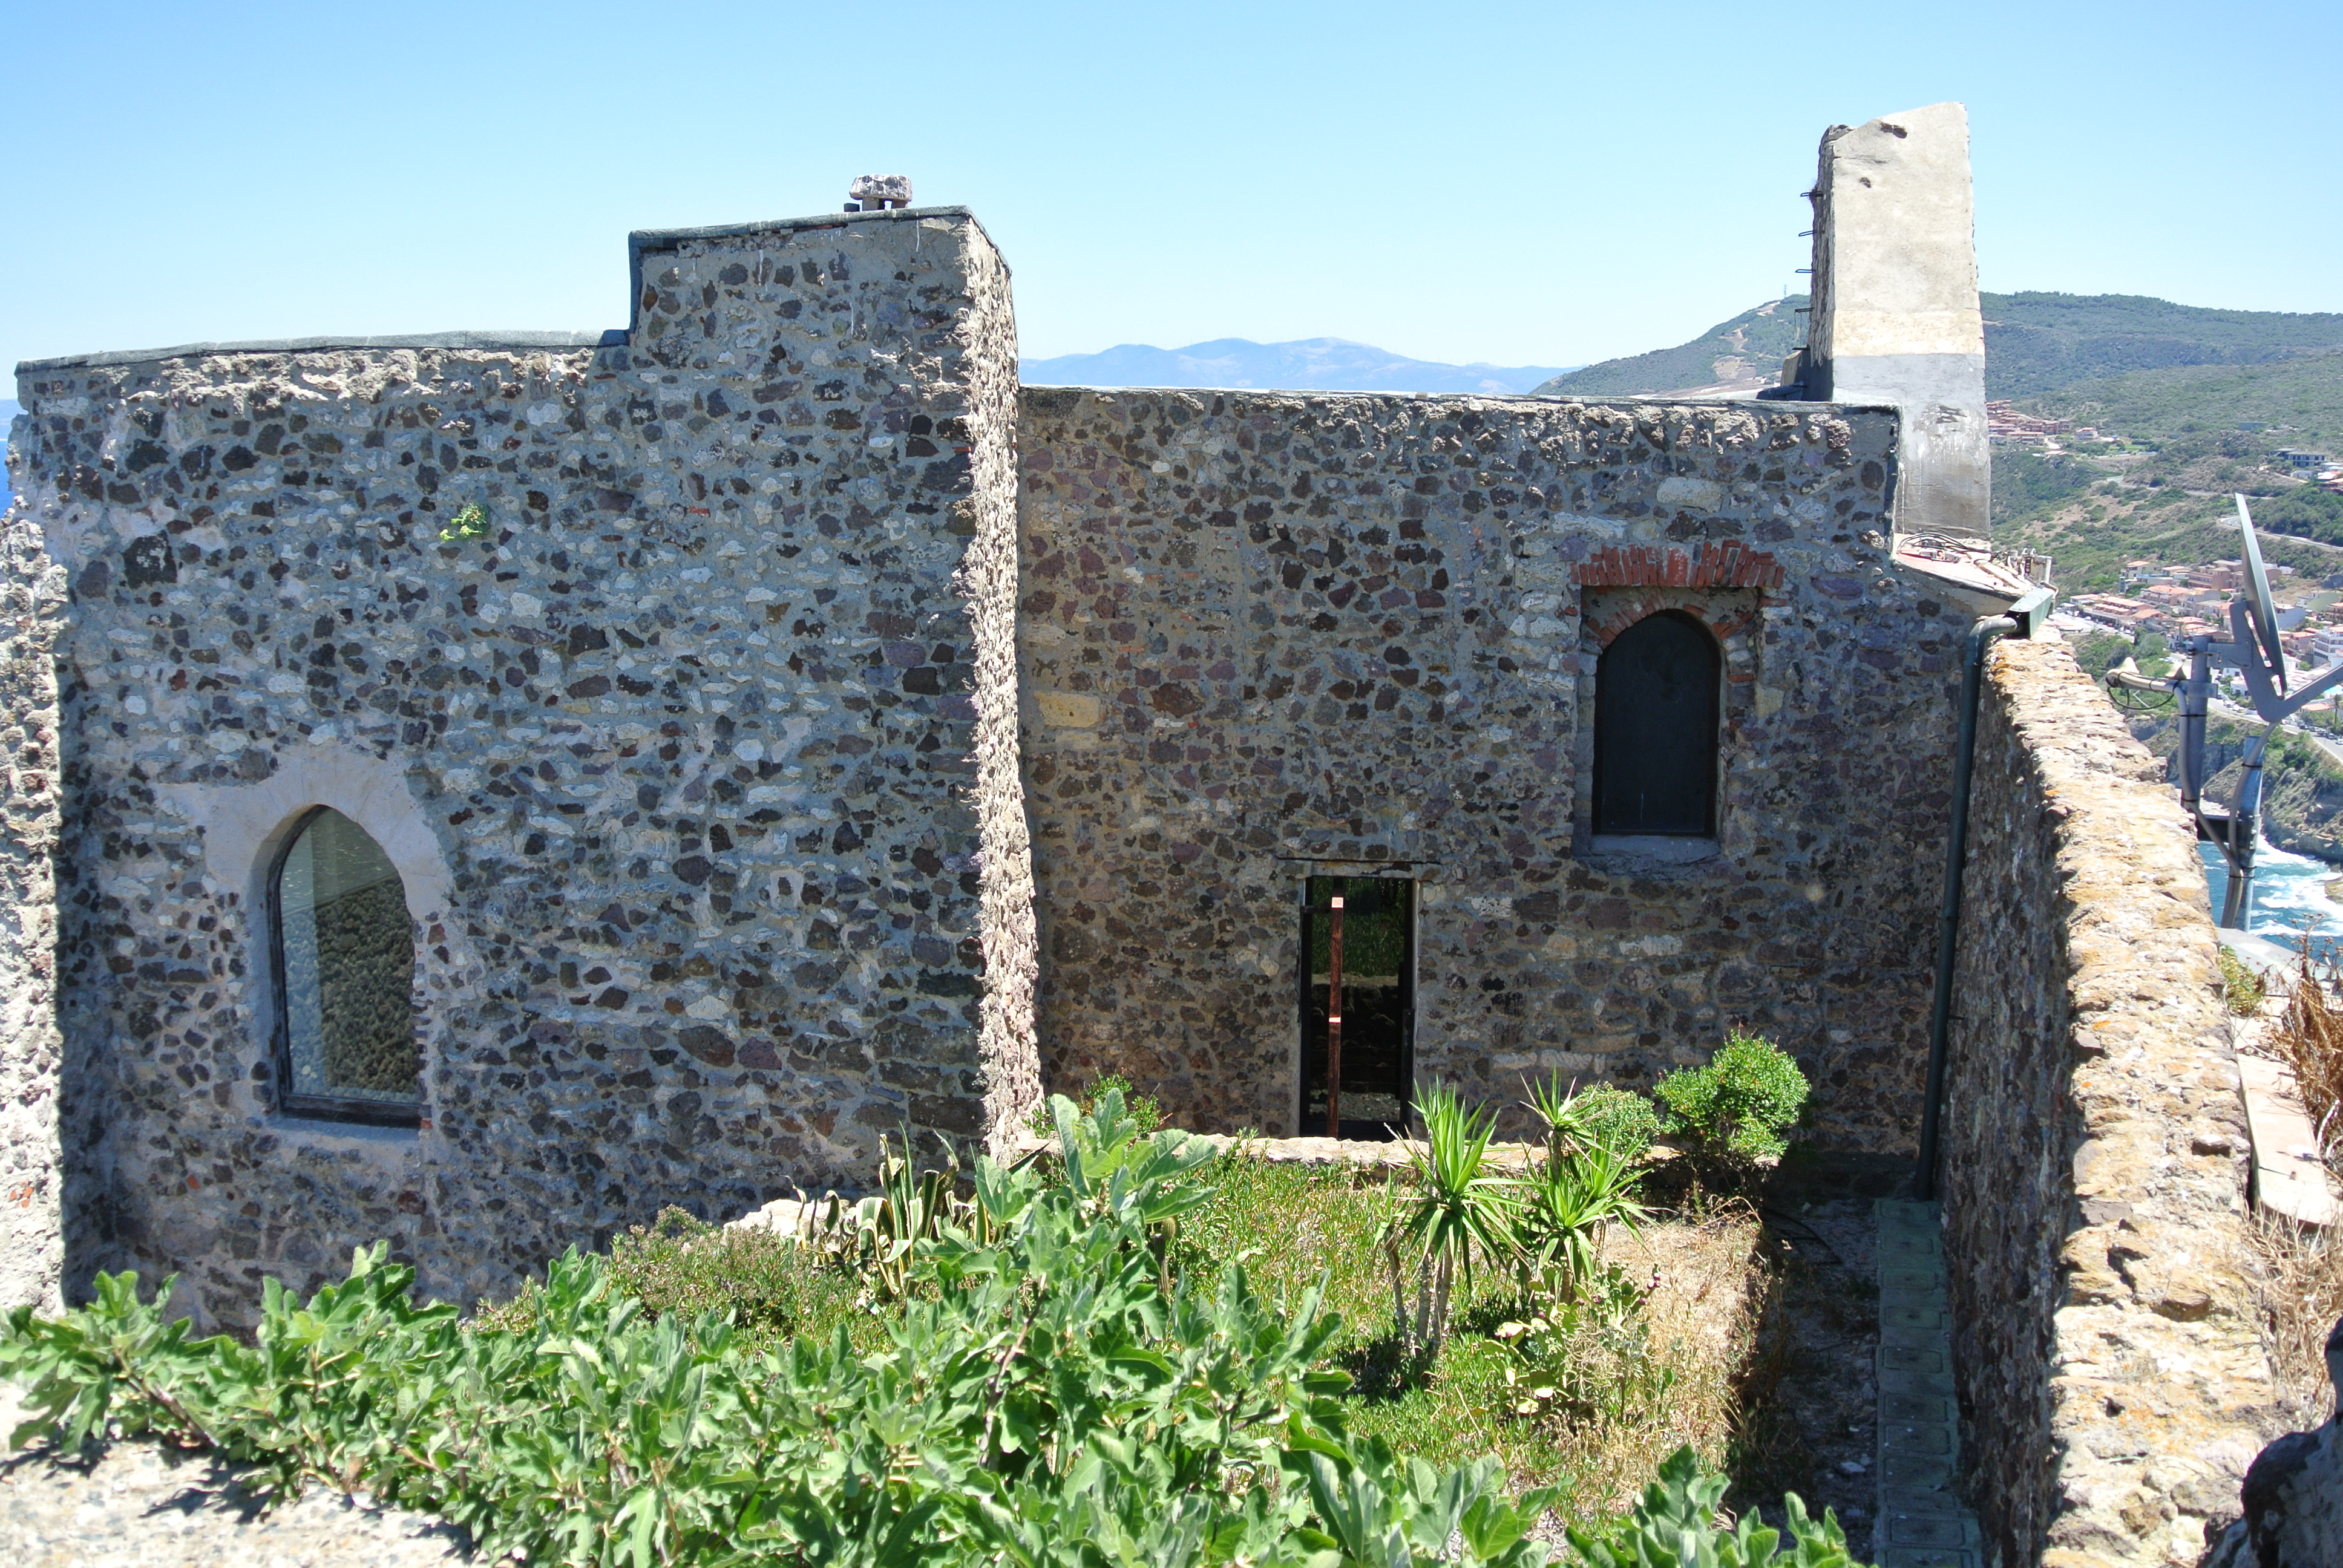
(1141, 1108)
(2242, 988)
(1676, 1522)
(771, 1286)
(1620, 1120)
(1737, 1108)
(1600, 1115)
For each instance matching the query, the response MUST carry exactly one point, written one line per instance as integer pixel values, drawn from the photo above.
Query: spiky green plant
(1455, 1213)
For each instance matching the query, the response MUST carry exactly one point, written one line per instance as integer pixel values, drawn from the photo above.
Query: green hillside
(2034, 343)
(2039, 343)
(2304, 393)
(1754, 343)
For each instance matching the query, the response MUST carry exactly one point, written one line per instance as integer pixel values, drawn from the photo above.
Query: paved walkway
(1921, 1522)
(140, 1505)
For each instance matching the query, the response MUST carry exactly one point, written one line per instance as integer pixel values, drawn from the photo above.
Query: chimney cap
(879, 191)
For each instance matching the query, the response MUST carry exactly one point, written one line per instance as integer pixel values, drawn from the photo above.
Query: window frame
(319, 1107)
(1597, 832)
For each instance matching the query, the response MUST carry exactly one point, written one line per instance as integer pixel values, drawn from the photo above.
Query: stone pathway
(1921, 1522)
(139, 1505)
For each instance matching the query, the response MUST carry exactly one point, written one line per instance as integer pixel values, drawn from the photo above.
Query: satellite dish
(2254, 650)
(2258, 607)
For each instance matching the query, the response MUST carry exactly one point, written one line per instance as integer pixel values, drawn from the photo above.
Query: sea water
(2290, 894)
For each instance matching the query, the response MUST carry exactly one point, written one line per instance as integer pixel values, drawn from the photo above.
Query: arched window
(1655, 692)
(345, 963)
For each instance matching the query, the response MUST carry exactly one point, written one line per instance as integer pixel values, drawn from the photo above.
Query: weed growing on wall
(470, 522)
(1737, 1109)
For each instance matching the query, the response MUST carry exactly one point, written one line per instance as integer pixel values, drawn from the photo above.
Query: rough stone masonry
(707, 748)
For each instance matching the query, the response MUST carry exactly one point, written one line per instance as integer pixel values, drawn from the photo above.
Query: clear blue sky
(1520, 184)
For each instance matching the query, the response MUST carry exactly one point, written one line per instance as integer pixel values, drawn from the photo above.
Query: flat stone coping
(2290, 1178)
(477, 342)
(1922, 1522)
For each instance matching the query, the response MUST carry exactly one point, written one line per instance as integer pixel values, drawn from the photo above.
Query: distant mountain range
(2034, 343)
(1305, 365)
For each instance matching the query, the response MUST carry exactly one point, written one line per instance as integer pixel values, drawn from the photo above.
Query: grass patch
(1293, 1226)
(774, 1289)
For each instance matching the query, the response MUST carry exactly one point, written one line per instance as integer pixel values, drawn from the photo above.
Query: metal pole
(2237, 899)
(1949, 919)
(1334, 1025)
(2196, 695)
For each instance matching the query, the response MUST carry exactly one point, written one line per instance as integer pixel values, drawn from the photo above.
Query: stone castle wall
(700, 768)
(2095, 1154)
(1267, 636)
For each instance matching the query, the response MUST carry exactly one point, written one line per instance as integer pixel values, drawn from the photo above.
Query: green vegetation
(2028, 484)
(685, 1267)
(1675, 1526)
(2037, 343)
(1601, 1115)
(1454, 1213)
(470, 522)
(2304, 391)
(1758, 339)
(2101, 651)
(1142, 1108)
(2093, 535)
(1737, 1107)
(2242, 988)
(1080, 1366)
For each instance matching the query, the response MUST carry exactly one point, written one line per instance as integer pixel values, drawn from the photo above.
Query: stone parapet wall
(1271, 635)
(699, 765)
(2095, 1154)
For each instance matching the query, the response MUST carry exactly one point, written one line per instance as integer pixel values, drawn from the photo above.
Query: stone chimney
(1895, 317)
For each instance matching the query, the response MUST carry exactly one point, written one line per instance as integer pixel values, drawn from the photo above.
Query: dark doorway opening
(1378, 1002)
(1656, 690)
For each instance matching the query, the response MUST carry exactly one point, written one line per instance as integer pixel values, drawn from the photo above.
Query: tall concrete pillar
(1895, 316)
(32, 1174)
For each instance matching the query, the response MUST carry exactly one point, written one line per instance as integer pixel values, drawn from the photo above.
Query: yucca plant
(1455, 1213)
(1585, 1183)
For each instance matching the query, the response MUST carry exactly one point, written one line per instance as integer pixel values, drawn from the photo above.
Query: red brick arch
(1727, 615)
(1720, 563)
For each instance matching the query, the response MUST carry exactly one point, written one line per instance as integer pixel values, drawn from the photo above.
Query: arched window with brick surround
(1655, 729)
(344, 960)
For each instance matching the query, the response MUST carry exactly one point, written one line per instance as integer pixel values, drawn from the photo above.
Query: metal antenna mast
(2253, 650)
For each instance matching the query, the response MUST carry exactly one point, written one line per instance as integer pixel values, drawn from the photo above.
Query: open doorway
(1378, 1002)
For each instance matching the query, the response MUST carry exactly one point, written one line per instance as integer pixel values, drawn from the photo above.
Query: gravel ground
(139, 1505)
(1813, 1425)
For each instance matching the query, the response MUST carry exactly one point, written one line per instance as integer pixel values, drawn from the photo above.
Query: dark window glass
(344, 970)
(1655, 729)
(1378, 1002)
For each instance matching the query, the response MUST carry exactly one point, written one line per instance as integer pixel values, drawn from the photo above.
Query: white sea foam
(2289, 894)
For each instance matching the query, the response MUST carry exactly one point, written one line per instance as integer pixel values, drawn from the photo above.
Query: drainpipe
(2024, 618)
